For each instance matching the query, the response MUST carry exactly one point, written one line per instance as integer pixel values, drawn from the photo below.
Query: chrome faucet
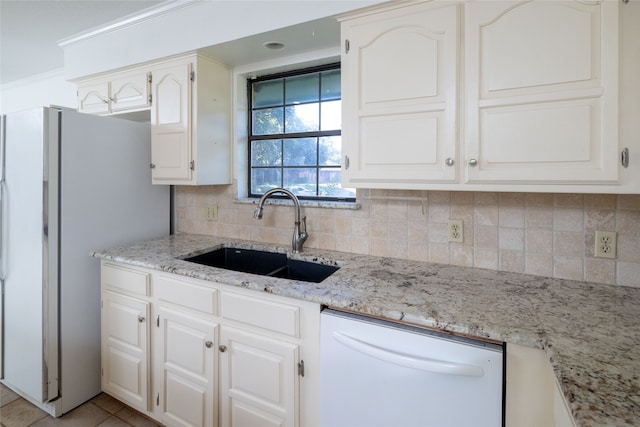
(299, 237)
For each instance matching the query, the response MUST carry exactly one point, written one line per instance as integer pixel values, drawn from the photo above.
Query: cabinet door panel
(188, 347)
(94, 98)
(542, 97)
(399, 85)
(130, 92)
(125, 343)
(170, 123)
(259, 380)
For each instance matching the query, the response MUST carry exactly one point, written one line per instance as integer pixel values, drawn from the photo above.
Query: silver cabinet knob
(152, 166)
(140, 318)
(208, 344)
(105, 101)
(449, 161)
(473, 162)
(222, 348)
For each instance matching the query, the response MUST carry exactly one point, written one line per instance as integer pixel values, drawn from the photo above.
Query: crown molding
(165, 8)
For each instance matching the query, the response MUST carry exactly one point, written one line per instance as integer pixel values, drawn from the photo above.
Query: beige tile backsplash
(534, 233)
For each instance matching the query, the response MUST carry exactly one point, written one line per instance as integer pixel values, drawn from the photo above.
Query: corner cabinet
(187, 352)
(187, 99)
(191, 122)
(493, 96)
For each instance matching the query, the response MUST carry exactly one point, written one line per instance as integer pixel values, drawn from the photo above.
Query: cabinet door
(187, 347)
(125, 344)
(259, 380)
(171, 151)
(399, 95)
(93, 98)
(542, 91)
(130, 91)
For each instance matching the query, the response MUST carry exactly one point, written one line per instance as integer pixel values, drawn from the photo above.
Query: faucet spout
(299, 237)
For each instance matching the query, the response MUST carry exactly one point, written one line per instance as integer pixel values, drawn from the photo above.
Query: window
(294, 134)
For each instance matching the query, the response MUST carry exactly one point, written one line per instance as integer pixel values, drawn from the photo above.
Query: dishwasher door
(378, 373)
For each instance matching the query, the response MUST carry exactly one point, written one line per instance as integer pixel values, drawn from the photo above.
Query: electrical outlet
(605, 246)
(212, 213)
(455, 231)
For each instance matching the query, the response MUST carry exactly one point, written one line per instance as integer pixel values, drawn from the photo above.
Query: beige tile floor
(102, 410)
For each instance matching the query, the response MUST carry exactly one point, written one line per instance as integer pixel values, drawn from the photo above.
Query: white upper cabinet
(115, 93)
(491, 96)
(191, 122)
(542, 91)
(399, 86)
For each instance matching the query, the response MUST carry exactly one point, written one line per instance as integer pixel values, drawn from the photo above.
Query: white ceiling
(30, 30)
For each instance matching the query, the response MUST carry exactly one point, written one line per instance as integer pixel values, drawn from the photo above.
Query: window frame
(282, 136)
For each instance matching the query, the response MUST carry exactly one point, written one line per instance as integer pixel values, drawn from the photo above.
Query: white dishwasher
(386, 374)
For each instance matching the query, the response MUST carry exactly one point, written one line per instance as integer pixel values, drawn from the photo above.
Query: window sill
(323, 204)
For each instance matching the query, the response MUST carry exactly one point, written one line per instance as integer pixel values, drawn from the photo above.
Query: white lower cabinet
(258, 380)
(533, 394)
(125, 348)
(188, 352)
(186, 368)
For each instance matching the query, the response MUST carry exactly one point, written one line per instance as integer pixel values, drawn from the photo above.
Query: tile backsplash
(534, 233)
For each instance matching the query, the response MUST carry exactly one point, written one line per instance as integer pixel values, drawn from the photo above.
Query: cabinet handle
(449, 161)
(222, 348)
(152, 166)
(473, 162)
(208, 344)
(140, 318)
(105, 101)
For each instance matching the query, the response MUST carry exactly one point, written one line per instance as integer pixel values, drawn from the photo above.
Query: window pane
(331, 115)
(302, 89)
(266, 152)
(263, 180)
(331, 85)
(300, 181)
(267, 94)
(330, 185)
(329, 151)
(300, 152)
(301, 118)
(268, 121)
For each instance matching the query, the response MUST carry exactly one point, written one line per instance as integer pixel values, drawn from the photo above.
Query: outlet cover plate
(455, 231)
(605, 244)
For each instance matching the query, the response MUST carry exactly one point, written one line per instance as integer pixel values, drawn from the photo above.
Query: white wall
(36, 91)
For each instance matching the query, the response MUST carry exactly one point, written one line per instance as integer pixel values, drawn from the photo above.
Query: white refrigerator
(70, 183)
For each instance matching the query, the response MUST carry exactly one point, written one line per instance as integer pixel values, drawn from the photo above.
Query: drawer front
(125, 279)
(269, 315)
(184, 293)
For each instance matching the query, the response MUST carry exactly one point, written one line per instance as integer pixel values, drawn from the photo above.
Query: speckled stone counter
(591, 332)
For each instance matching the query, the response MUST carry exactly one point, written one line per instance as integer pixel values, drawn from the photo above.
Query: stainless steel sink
(265, 264)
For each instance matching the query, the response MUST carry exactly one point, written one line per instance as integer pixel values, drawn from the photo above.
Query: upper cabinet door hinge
(624, 158)
(158, 321)
(301, 368)
(150, 98)
(192, 165)
(193, 76)
(346, 162)
(149, 78)
(346, 46)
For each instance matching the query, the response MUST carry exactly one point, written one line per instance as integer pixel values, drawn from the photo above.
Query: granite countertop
(589, 331)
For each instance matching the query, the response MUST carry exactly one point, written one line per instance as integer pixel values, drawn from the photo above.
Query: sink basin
(265, 264)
